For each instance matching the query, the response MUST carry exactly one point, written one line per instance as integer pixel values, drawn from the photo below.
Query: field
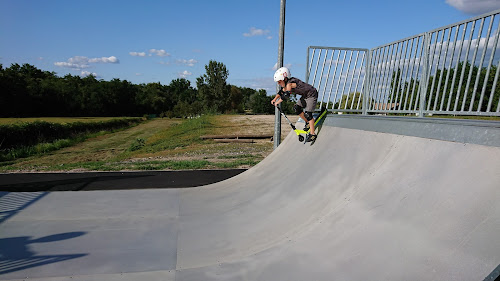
(158, 144)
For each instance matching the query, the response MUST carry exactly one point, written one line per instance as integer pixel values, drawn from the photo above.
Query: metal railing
(453, 70)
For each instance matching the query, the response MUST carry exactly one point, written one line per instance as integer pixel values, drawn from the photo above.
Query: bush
(137, 144)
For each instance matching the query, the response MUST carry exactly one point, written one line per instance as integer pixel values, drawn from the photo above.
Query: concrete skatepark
(372, 199)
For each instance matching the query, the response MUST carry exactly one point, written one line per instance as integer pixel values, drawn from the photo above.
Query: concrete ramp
(356, 205)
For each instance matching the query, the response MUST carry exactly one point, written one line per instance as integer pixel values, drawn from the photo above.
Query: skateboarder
(309, 98)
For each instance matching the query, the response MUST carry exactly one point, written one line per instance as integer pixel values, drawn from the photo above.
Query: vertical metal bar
(395, 72)
(403, 74)
(383, 75)
(357, 81)
(466, 61)
(352, 78)
(476, 84)
(409, 72)
(493, 89)
(322, 69)
(394, 63)
(435, 73)
(443, 69)
(495, 85)
(281, 47)
(423, 88)
(333, 80)
(413, 93)
(449, 68)
(366, 81)
(472, 64)
(456, 69)
(345, 80)
(317, 64)
(489, 63)
(339, 80)
(432, 58)
(326, 82)
(493, 51)
(375, 76)
(307, 64)
(382, 98)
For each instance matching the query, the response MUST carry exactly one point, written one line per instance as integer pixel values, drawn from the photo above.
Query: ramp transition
(356, 205)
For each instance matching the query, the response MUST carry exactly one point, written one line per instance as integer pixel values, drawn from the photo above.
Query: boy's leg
(308, 115)
(299, 109)
(311, 125)
(309, 107)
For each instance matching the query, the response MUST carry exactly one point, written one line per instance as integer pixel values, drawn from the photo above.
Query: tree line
(26, 91)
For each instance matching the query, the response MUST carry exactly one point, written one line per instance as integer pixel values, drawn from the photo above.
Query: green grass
(145, 165)
(181, 135)
(158, 144)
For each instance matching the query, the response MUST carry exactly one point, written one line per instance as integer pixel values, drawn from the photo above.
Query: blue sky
(159, 41)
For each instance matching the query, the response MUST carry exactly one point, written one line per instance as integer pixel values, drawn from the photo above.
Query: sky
(159, 41)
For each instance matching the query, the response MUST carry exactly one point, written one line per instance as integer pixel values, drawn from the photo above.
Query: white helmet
(281, 74)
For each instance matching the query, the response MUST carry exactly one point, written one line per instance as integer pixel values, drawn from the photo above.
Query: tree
(213, 89)
(154, 98)
(261, 103)
(236, 99)
(181, 91)
(28, 91)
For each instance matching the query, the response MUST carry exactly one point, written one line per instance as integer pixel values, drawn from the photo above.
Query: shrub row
(32, 133)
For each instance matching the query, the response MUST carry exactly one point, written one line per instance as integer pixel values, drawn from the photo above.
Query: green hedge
(32, 133)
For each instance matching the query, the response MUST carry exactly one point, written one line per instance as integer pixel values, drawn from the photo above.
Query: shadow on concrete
(16, 254)
(13, 203)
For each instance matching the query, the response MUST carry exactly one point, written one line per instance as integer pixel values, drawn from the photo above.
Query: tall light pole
(281, 47)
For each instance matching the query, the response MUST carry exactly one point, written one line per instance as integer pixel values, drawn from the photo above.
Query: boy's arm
(277, 99)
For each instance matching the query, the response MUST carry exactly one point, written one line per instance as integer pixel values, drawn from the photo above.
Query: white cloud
(474, 7)
(190, 62)
(77, 62)
(137, 54)
(87, 73)
(111, 59)
(160, 53)
(185, 74)
(257, 32)
(80, 62)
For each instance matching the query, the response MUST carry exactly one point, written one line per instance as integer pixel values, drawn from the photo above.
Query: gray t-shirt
(303, 89)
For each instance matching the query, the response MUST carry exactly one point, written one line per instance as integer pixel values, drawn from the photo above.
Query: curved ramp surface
(356, 205)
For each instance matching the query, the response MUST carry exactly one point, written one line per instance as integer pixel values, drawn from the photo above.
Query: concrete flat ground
(356, 205)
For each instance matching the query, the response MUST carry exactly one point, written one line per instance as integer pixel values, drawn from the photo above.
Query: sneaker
(306, 127)
(310, 138)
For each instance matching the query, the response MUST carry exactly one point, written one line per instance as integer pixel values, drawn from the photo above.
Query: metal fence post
(424, 76)
(365, 91)
(281, 47)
